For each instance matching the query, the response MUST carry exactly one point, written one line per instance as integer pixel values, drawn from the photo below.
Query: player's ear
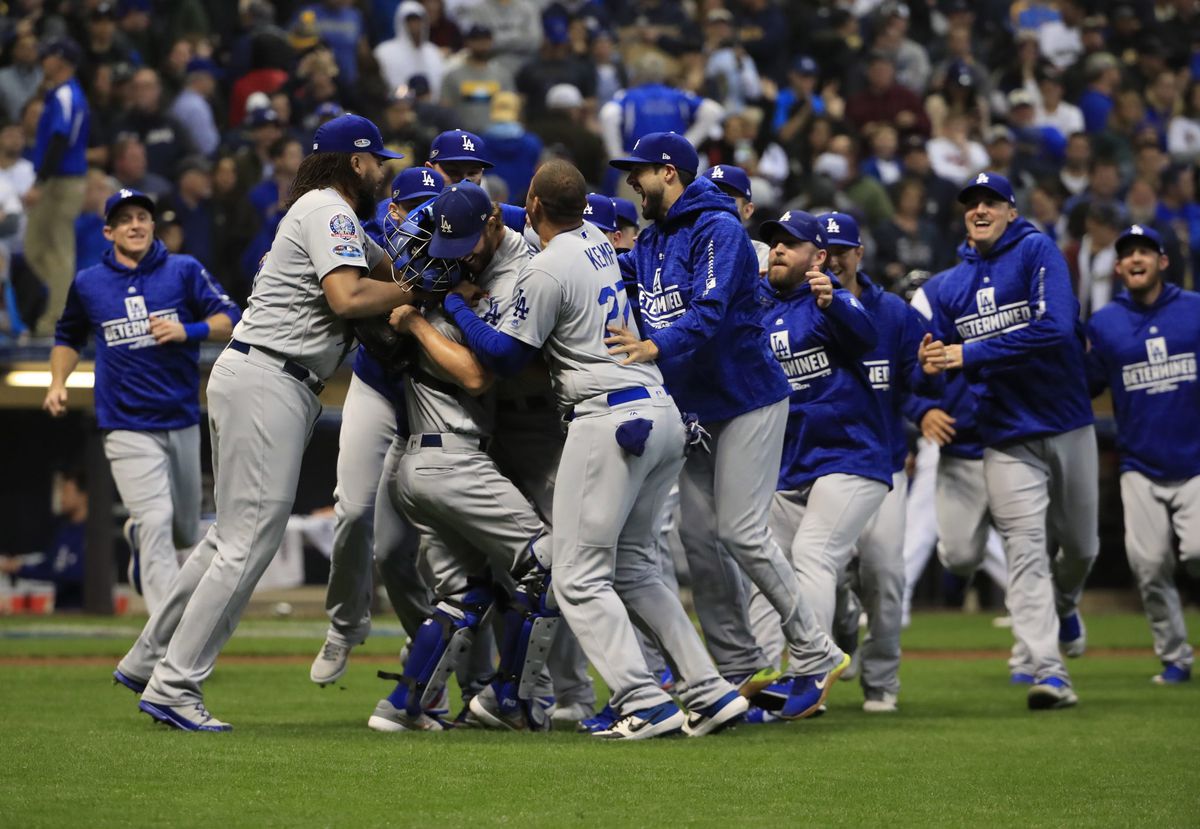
(108, 231)
(1163, 262)
(747, 211)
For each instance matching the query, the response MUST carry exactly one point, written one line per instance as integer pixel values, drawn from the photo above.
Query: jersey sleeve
(333, 237)
(73, 325)
(532, 312)
(1094, 360)
(206, 295)
(847, 323)
(374, 252)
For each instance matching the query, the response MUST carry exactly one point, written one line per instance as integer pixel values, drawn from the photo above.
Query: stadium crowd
(878, 109)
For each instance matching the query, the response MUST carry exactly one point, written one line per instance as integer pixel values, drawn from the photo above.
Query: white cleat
(658, 721)
(387, 718)
(885, 704)
(330, 663)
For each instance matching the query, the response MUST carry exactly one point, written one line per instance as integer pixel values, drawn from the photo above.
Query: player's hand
(938, 426)
(167, 331)
(931, 354)
(822, 288)
(56, 401)
(402, 318)
(469, 291)
(635, 349)
(954, 356)
(32, 196)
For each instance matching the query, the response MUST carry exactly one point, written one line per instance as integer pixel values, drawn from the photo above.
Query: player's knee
(958, 559)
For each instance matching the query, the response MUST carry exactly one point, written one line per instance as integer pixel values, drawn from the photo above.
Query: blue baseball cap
(351, 134)
(261, 116)
(64, 48)
(627, 211)
(329, 109)
(729, 177)
(459, 216)
(993, 183)
(797, 224)
(804, 65)
(417, 183)
(601, 212)
(123, 197)
(660, 148)
(840, 229)
(1140, 233)
(459, 145)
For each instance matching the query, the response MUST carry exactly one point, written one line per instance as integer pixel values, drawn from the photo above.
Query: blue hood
(1170, 292)
(154, 257)
(1012, 235)
(701, 196)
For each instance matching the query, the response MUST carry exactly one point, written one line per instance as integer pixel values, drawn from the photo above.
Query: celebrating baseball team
(542, 396)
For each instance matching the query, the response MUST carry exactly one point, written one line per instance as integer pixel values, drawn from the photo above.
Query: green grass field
(963, 751)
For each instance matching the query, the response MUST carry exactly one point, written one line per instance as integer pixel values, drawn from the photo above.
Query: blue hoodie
(836, 422)
(142, 386)
(1147, 355)
(1018, 320)
(698, 274)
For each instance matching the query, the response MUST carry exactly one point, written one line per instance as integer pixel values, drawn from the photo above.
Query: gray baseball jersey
(288, 313)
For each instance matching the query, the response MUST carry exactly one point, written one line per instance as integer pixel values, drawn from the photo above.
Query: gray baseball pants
(1159, 515)
(1042, 489)
(881, 590)
(158, 477)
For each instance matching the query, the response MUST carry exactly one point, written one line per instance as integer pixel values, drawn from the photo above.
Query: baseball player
(835, 469)
(262, 400)
(734, 183)
(624, 447)
(372, 415)
(147, 311)
(697, 275)
(897, 378)
(627, 223)
(474, 522)
(1007, 318)
(459, 155)
(1144, 346)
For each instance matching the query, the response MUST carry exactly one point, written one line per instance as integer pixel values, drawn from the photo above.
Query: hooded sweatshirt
(1147, 355)
(140, 385)
(697, 275)
(400, 58)
(1017, 319)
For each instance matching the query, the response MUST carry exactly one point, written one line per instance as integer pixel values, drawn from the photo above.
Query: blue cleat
(1019, 678)
(135, 555)
(1172, 674)
(774, 696)
(601, 722)
(135, 685)
(193, 717)
(760, 716)
(1072, 635)
(808, 693)
(659, 721)
(712, 718)
(1051, 693)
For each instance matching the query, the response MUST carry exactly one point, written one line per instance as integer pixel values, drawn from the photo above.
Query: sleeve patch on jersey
(347, 251)
(342, 226)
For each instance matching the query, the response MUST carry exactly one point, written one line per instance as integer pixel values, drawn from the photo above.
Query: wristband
(196, 331)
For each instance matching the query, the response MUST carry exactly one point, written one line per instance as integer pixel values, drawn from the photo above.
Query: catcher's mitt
(394, 351)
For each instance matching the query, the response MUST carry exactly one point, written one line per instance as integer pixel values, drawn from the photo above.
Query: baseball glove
(394, 351)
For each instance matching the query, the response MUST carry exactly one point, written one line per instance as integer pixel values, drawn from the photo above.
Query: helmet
(407, 243)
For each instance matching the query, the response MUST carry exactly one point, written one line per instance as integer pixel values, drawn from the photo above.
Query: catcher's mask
(407, 243)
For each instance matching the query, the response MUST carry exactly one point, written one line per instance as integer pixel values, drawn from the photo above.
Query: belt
(524, 404)
(615, 398)
(450, 441)
(287, 364)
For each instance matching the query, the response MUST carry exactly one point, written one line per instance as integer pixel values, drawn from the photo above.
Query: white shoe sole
(328, 679)
(668, 726)
(386, 726)
(879, 706)
(734, 709)
(487, 718)
(1048, 699)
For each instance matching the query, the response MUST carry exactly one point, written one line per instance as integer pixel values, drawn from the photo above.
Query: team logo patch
(362, 142)
(717, 172)
(985, 300)
(1156, 350)
(832, 226)
(342, 226)
(347, 251)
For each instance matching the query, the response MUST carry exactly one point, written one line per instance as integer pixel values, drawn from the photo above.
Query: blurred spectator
(1045, 210)
(428, 111)
(1092, 261)
(1124, 122)
(884, 101)
(799, 101)
(1104, 187)
(1050, 108)
(855, 193)
(884, 161)
(513, 150)
(1150, 62)
(729, 72)
(103, 43)
(62, 560)
(1001, 151)
(658, 24)
(1103, 80)
(650, 105)
(169, 229)
(1177, 207)
(1021, 72)
(562, 124)
(21, 75)
(554, 64)
(106, 97)
(131, 169)
(59, 158)
(1149, 161)
(1039, 150)
(940, 195)
(954, 156)
(1077, 160)
(762, 29)
(193, 107)
(913, 68)
(516, 28)
(233, 227)
(606, 62)
(173, 70)
(1161, 98)
(963, 68)
(191, 206)
(15, 170)
(90, 243)
(1061, 41)
(443, 32)
(164, 137)
(410, 52)
(317, 82)
(268, 197)
(270, 57)
(254, 161)
(339, 24)
(1183, 131)
(404, 131)
(909, 240)
(468, 88)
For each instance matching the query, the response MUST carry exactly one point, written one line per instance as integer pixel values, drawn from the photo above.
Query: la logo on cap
(587, 211)
(445, 226)
(468, 144)
(126, 194)
(1136, 230)
(718, 172)
(832, 226)
(786, 217)
(426, 179)
(981, 178)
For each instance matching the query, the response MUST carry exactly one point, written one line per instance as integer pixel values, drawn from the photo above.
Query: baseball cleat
(135, 685)
(760, 716)
(1050, 693)
(193, 717)
(1020, 678)
(129, 530)
(757, 681)
(851, 672)
(509, 713)
(600, 722)
(572, 712)
(774, 696)
(884, 703)
(1172, 674)
(712, 718)
(388, 718)
(1072, 635)
(330, 663)
(658, 721)
(809, 692)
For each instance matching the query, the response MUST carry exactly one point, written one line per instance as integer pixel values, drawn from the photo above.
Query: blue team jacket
(892, 366)
(698, 274)
(1018, 320)
(142, 386)
(66, 113)
(1147, 356)
(836, 422)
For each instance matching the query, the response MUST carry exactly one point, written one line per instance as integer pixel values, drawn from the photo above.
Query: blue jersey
(1017, 319)
(140, 385)
(1147, 355)
(892, 365)
(836, 422)
(655, 107)
(65, 113)
(697, 274)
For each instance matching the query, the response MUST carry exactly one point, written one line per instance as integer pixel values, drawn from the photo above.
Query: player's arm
(1093, 360)
(70, 336)
(921, 390)
(355, 276)
(455, 359)
(496, 350)
(530, 317)
(218, 313)
(847, 323)
(351, 293)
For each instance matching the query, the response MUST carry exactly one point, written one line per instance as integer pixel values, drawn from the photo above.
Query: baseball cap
(804, 65)
(350, 134)
(563, 96)
(730, 178)
(601, 212)
(993, 183)
(627, 211)
(329, 109)
(999, 132)
(1019, 97)
(417, 183)
(64, 48)
(459, 145)
(262, 116)
(797, 224)
(840, 229)
(126, 196)
(104, 11)
(660, 148)
(1140, 233)
(476, 31)
(203, 65)
(459, 214)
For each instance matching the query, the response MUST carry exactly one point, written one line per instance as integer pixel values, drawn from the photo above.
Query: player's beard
(654, 205)
(366, 194)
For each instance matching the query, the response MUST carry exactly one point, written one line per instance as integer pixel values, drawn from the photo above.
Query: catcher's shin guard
(531, 619)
